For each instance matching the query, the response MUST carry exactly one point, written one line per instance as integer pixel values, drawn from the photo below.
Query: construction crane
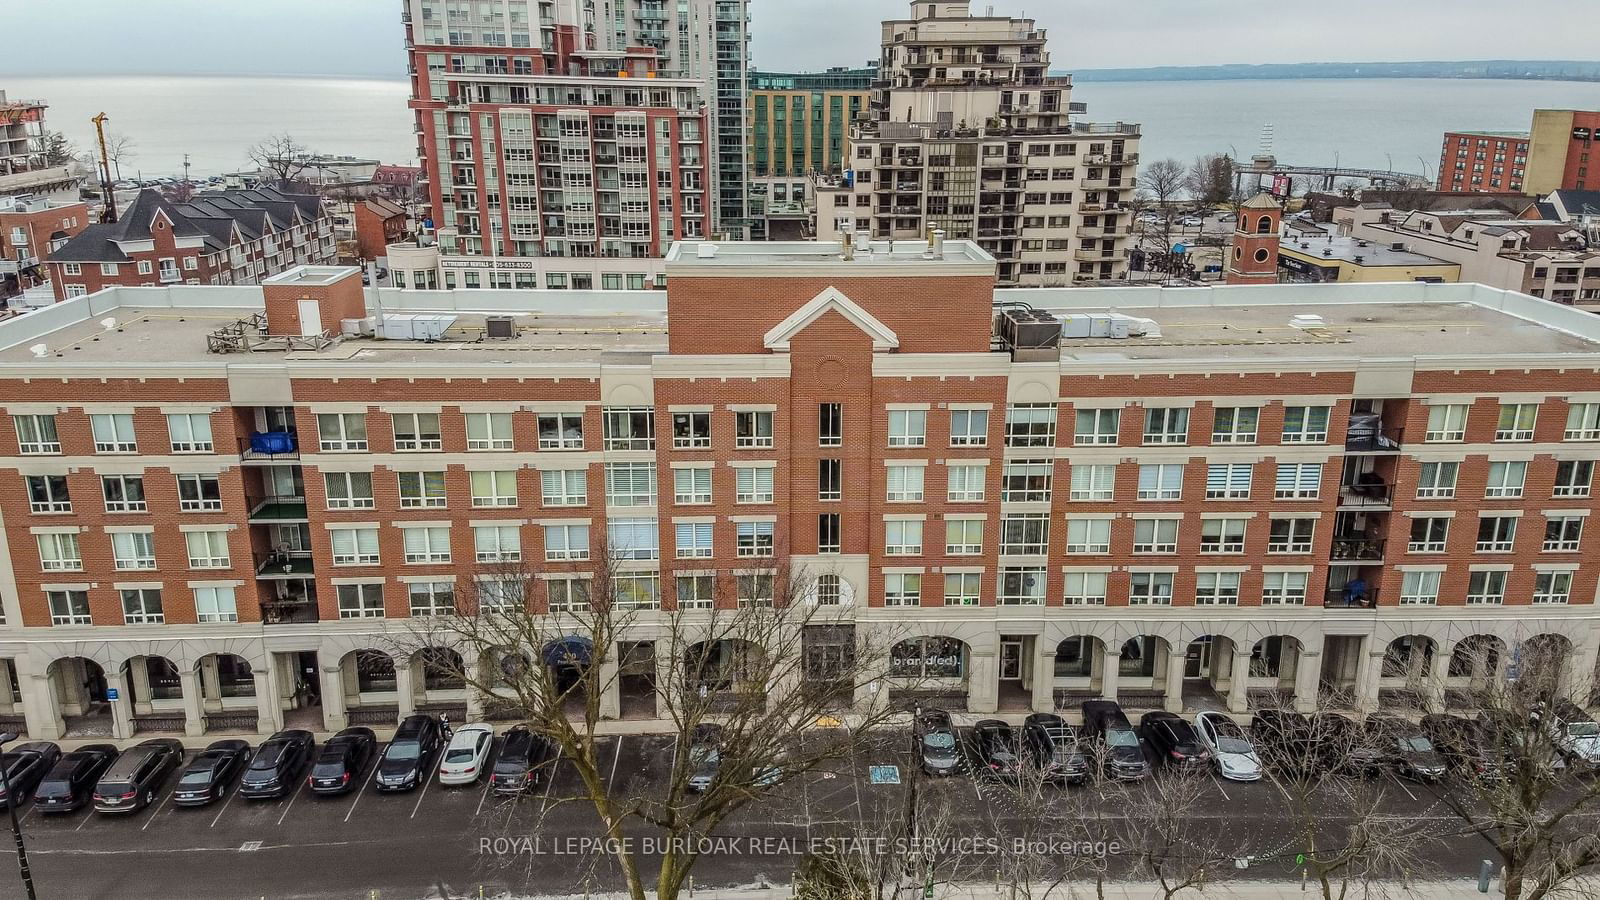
(109, 214)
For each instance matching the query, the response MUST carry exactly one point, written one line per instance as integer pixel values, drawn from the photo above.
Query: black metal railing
(1356, 548)
(1381, 440)
(1349, 596)
(1366, 493)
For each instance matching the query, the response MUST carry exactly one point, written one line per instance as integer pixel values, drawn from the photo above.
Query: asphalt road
(446, 842)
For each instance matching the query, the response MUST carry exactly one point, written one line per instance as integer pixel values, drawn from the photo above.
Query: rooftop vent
(1397, 247)
(40, 351)
(1306, 320)
(108, 323)
(500, 328)
(706, 251)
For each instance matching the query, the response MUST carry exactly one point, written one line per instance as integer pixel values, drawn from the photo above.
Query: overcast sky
(362, 37)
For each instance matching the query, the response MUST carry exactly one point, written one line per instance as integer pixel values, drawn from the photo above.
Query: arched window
(1264, 225)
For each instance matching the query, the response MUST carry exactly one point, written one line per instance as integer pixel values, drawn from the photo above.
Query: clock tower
(1253, 258)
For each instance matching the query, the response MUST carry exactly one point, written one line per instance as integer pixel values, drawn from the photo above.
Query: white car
(1236, 758)
(468, 754)
(1192, 222)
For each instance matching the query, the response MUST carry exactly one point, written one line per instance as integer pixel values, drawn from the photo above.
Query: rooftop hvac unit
(416, 327)
(1397, 247)
(1030, 329)
(500, 328)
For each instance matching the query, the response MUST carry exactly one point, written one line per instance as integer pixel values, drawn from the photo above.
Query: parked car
(1283, 739)
(70, 782)
(1464, 744)
(207, 776)
(1191, 222)
(935, 735)
(343, 758)
(26, 765)
(993, 747)
(1174, 740)
(1342, 746)
(275, 769)
(467, 756)
(408, 759)
(1122, 755)
(131, 782)
(525, 758)
(1573, 731)
(705, 756)
(1404, 748)
(1053, 747)
(1230, 747)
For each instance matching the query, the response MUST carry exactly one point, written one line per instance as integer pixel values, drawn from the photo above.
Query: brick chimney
(313, 299)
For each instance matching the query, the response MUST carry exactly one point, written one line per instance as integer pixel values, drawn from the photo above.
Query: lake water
(1368, 123)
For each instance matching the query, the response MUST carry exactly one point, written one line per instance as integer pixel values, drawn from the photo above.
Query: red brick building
(1483, 161)
(29, 230)
(1239, 489)
(379, 223)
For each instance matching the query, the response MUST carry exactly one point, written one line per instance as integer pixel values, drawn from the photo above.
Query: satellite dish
(108, 322)
(40, 351)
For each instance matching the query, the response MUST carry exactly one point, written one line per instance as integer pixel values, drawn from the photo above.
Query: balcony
(1369, 436)
(1356, 549)
(1368, 494)
(1085, 254)
(270, 446)
(1353, 594)
(276, 510)
(297, 605)
(284, 565)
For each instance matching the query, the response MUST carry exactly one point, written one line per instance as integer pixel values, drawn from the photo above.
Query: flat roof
(1344, 248)
(906, 254)
(1501, 134)
(312, 275)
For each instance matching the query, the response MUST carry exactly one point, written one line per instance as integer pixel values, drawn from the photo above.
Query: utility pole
(109, 214)
(186, 168)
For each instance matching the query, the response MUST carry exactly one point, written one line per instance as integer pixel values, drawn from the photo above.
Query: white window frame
(1304, 481)
(60, 551)
(1027, 480)
(904, 484)
(959, 483)
(902, 589)
(190, 432)
(201, 503)
(693, 540)
(493, 488)
(113, 433)
(754, 539)
(425, 544)
(1292, 545)
(1229, 481)
(572, 487)
(963, 589)
(1306, 424)
(563, 438)
(1156, 535)
(1506, 479)
(1517, 422)
(438, 598)
(1166, 425)
(1092, 482)
(497, 543)
(348, 433)
(633, 538)
(566, 543)
(754, 484)
(1284, 588)
(1487, 587)
(1561, 543)
(698, 431)
(1583, 422)
(1216, 588)
(969, 427)
(1160, 481)
(1498, 542)
(349, 498)
(1147, 588)
(1447, 423)
(752, 430)
(630, 484)
(1432, 483)
(1574, 488)
(902, 537)
(360, 601)
(422, 489)
(359, 546)
(1223, 536)
(691, 486)
(1237, 430)
(418, 439)
(215, 604)
(1430, 544)
(1031, 425)
(37, 435)
(487, 431)
(963, 537)
(908, 428)
(1096, 427)
(63, 503)
(1024, 534)
(145, 612)
(212, 545)
(1087, 535)
(1552, 587)
(1084, 589)
(133, 551)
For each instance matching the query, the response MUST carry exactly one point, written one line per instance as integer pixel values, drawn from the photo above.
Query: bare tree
(1175, 845)
(282, 158)
(1162, 183)
(118, 148)
(51, 148)
(1210, 179)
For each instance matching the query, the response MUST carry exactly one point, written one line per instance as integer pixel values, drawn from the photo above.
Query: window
(133, 550)
(48, 494)
(499, 488)
(1298, 481)
(1486, 588)
(215, 604)
(963, 537)
(1583, 422)
(417, 431)
(349, 490)
(197, 493)
(1022, 586)
(1573, 477)
(58, 552)
(499, 594)
(1429, 534)
(754, 538)
(1092, 482)
(342, 431)
(1222, 535)
(563, 487)
(207, 549)
(699, 591)
(142, 606)
(969, 428)
(420, 490)
(1497, 534)
(1562, 533)
(963, 589)
(829, 528)
(354, 546)
(752, 430)
(566, 543)
(113, 433)
(190, 432)
(1305, 424)
(1419, 588)
(564, 431)
(633, 539)
(908, 427)
(692, 540)
(1228, 481)
(1155, 535)
(36, 434)
(902, 537)
(1027, 481)
(1216, 589)
(1160, 481)
(1447, 423)
(1031, 425)
(1169, 425)
(432, 598)
(1284, 588)
(489, 431)
(691, 430)
(830, 479)
(1096, 427)
(1084, 589)
(754, 588)
(689, 486)
(426, 544)
(1552, 587)
(634, 484)
(1437, 480)
(1025, 534)
(1290, 535)
(830, 424)
(905, 484)
(497, 543)
(965, 484)
(1150, 589)
(902, 589)
(1506, 479)
(1088, 535)
(753, 484)
(69, 607)
(1235, 425)
(360, 601)
(629, 428)
(1516, 421)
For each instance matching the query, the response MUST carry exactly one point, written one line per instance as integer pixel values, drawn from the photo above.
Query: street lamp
(16, 829)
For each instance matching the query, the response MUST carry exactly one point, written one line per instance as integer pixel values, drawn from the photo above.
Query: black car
(343, 758)
(130, 784)
(1464, 744)
(208, 775)
(524, 758)
(26, 765)
(408, 760)
(935, 735)
(1283, 739)
(1342, 746)
(993, 746)
(1122, 756)
(1052, 745)
(1405, 748)
(1175, 740)
(70, 782)
(277, 765)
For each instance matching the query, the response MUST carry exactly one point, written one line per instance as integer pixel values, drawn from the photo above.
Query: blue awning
(572, 650)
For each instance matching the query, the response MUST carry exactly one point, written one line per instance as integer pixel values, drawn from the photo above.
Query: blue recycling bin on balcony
(272, 443)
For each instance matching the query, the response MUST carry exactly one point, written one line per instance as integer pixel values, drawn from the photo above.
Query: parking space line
(549, 785)
(488, 778)
(432, 771)
(611, 780)
(366, 778)
(157, 812)
(299, 789)
(25, 814)
(1396, 779)
(89, 813)
(218, 817)
(1218, 783)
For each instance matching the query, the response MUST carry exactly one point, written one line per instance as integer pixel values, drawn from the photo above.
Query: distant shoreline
(1476, 70)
